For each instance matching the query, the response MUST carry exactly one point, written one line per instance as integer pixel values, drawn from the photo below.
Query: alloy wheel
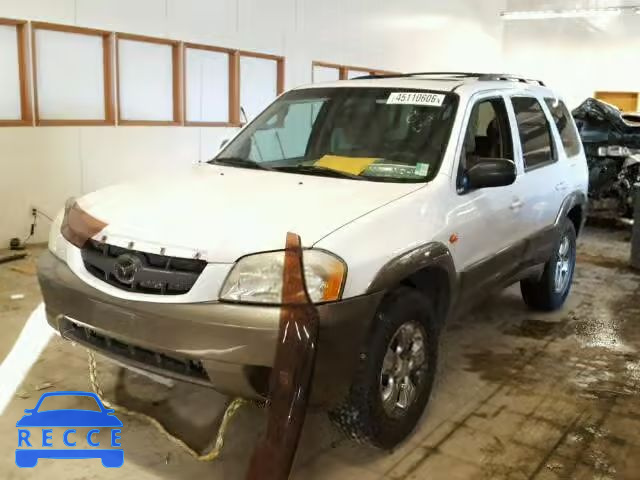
(564, 265)
(403, 368)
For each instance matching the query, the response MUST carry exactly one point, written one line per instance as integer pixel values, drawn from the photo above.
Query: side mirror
(488, 173)
(223, 143)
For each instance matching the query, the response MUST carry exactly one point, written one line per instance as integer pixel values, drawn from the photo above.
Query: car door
(486, 240)
(543, 184)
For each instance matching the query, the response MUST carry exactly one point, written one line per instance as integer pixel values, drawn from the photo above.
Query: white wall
(43, 166)
(576, 56)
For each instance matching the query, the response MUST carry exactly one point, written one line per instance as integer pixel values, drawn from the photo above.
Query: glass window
(488, 135)
(360, 133)
(535, 132)
(285, 136)
(488, 132)
(59, 402)
(566, 128)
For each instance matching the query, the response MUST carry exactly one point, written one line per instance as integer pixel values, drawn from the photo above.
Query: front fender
(432, 254)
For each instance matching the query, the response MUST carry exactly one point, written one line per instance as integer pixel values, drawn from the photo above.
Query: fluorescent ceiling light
(568, 13)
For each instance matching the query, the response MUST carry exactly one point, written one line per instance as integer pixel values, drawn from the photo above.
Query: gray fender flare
(573, 199)
(433, 254)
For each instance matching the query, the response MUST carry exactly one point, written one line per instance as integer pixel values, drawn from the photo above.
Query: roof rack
(483, 77)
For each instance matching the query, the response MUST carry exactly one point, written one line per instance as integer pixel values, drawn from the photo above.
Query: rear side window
(568, 134)
(534, 131)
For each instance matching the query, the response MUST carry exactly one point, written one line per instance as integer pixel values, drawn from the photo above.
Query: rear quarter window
(564, 123)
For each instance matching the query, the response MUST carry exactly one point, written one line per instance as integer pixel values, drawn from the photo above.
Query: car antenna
(253, 140)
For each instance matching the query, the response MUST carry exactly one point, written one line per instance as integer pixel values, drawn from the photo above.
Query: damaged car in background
(611, 142)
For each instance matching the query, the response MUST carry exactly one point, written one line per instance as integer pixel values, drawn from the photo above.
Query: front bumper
(229, 347)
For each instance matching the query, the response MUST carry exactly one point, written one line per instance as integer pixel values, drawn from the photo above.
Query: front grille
(154, 361)
(150, 273)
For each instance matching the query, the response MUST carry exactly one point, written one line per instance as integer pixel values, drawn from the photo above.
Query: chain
(210, 456)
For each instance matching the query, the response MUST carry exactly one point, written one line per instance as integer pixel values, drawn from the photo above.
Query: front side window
(534, 131)
(566, 128)
(375, 134)
(488, 135)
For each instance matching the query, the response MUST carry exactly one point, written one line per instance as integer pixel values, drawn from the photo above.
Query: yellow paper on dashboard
(353, 165)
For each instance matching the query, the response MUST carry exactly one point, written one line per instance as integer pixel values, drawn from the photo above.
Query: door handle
(517, 204)
(562, 186)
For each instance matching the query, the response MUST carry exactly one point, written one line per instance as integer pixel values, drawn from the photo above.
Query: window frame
(233, 86)
(343, 70)
(550, 128)
(27, 70)
(334, 66)
(280, 77)
(177, 76)
(24, 74)
(107, 61)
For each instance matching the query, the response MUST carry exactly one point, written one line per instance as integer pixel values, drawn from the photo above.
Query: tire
(364, 416)
(547, 293)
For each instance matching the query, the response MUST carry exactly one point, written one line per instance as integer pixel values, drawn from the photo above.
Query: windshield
(62, 402)
(376, 134)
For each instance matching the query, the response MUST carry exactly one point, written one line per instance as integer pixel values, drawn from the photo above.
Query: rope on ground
(210, 456)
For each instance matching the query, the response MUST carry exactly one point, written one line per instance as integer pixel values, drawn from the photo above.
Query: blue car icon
(28, 457)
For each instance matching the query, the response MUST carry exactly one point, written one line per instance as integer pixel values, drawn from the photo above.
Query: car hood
(223, 213)
(599, 122)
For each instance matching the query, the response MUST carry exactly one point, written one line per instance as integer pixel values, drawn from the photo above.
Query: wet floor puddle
(536, 329)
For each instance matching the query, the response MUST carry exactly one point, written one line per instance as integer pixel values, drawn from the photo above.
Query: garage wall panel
(119, 155)
(256, 22)
(144, 17)
(41, 167)
(55, 11)
(212, 22)
(575, 56)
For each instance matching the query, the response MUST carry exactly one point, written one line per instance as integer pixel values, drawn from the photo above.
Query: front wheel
(550, 291)
(396, 374)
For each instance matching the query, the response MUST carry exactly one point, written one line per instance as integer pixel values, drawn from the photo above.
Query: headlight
(57, 244)
(258, 278)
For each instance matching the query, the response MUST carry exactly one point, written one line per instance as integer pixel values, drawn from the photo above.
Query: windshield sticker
(422, 169)
(416, 98)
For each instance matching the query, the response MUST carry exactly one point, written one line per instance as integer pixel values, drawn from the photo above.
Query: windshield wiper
(315, 170)
(239, 162)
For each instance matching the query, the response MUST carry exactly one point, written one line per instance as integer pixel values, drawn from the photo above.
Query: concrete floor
(519, 395)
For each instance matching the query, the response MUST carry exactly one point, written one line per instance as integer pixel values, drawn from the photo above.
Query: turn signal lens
(77, 225)
(324, 275)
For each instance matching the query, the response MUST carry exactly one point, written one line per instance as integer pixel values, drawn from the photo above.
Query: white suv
(414, 195)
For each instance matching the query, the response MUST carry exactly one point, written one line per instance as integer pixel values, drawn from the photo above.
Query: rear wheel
(396, 373)
(550, 291)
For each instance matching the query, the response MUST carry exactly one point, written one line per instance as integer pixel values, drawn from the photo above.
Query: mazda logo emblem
(126, 267)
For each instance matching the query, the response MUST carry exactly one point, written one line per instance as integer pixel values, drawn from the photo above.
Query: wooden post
(290, 381)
